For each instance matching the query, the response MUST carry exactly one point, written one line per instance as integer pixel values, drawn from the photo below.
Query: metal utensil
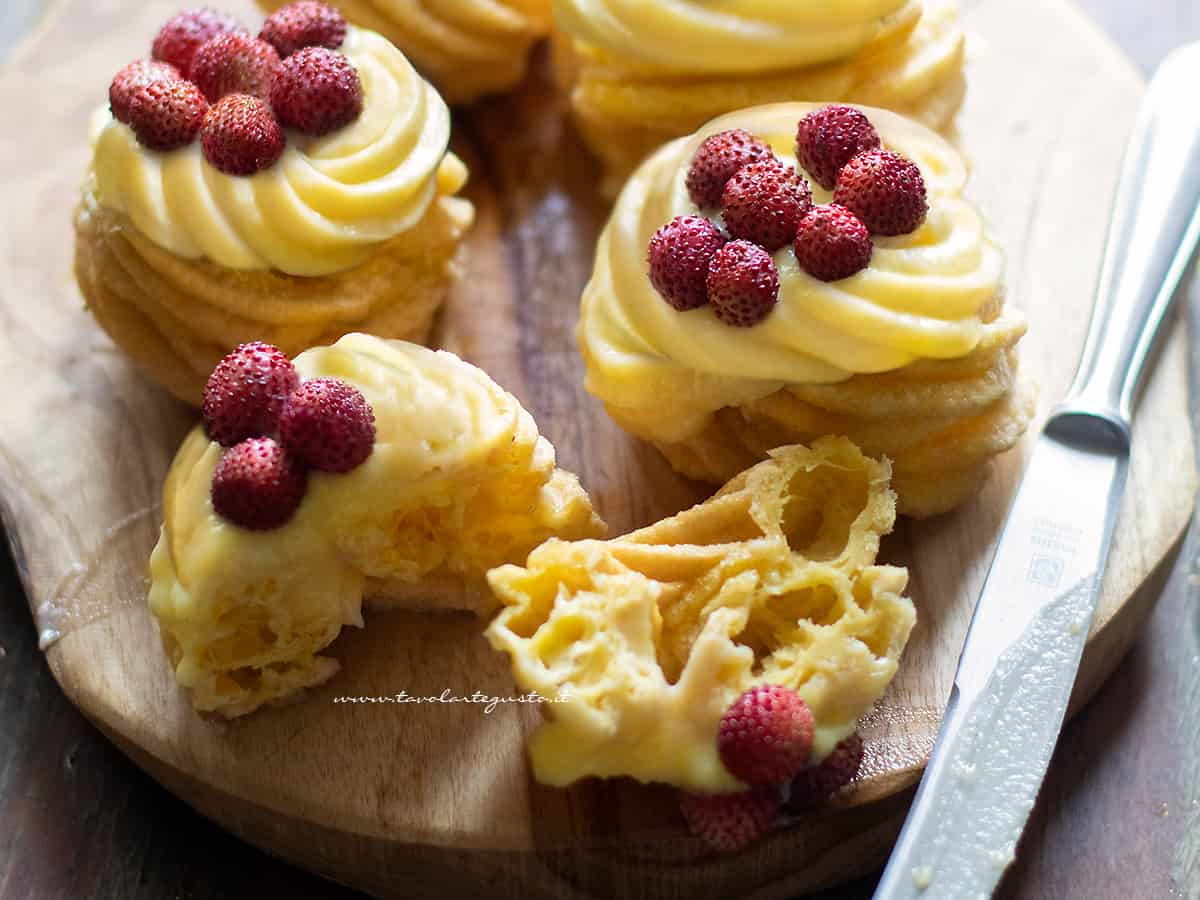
(1022, 651)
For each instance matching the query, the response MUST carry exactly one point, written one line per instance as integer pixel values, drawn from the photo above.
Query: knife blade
(1030, 625)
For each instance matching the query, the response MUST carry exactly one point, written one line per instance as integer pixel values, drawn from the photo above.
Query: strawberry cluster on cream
(359, 159)
(929, 294)
(364, 469)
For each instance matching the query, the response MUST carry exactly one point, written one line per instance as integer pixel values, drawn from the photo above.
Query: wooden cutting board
(437, 800)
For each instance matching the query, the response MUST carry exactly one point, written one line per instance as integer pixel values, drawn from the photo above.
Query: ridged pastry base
(466, 55)
(623, 116)
(938, 422)
(177, 317)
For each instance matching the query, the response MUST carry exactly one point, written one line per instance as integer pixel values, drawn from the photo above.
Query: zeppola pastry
(291, 191)
(369, 469)
(467, 48)
(733, 308)
(760, 610)
(643, 73)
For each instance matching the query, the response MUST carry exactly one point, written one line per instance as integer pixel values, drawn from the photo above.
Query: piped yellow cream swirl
(929, 295)
(731, 36)
(322, 208)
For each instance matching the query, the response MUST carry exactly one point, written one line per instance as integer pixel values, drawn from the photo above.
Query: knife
(1022, 651)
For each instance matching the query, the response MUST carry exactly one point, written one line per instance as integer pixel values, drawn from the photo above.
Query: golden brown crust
(177, 317)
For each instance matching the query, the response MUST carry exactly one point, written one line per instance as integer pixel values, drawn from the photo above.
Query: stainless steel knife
(1022, 650)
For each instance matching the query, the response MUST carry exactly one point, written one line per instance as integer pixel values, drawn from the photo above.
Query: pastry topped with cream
(791, 271)
(698, 37)
(467, 48)
(666, 649)
(644, 73)
(369, 469)
(293, 186)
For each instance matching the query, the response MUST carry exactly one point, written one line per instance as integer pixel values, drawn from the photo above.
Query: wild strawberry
(717, 160)
(742, 284)
(729, 822)
(246, 392)
(304, 24)
(166, 114)
(885, 190)
(136, 75)
(766, 735)
(832, 243)
(234, 63)
(679, 255)
(816, 784)
(258, 484)
(827, 139)
(178, 40)
(764, 202)
(328, 424)
(240, 135)
(317, 91)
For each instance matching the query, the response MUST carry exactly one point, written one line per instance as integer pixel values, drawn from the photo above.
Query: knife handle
(1155, 229)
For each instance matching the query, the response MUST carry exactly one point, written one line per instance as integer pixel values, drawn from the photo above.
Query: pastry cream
(924, 296)
(324, 207)
(645, 640)
(632, 91)
(732, 36)
(913, 358)
(459, 481)
(465, 47)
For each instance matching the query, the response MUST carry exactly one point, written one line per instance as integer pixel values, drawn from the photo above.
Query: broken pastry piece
(646, 640)
(371, 469)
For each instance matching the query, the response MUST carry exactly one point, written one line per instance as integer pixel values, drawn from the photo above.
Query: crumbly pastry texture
(645, 640)
(913, 358)
(630, 93)
(459, 482)
(467, 48)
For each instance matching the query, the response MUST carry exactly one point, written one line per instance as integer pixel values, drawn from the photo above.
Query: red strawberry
(234, 64)
(766, 735)
(246, 392)
(258, 485)
(832, 243)
(885, 190)
(240, 136)
(328, 424)
(304, 24)
(679, 255)
(816, 784)
(317, 91)
(166, 114)
(718, 159)
(729, 822)
(764, 203)
(130, 79)
(743, 284)
(178, 40)
(827, 139)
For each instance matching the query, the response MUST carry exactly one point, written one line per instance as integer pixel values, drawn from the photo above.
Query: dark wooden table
(1119, 816)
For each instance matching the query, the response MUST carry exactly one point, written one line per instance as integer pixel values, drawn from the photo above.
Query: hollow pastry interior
(643, 641)
(459, 481)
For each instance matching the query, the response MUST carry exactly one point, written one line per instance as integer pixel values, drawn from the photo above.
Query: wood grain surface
(27, 848)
